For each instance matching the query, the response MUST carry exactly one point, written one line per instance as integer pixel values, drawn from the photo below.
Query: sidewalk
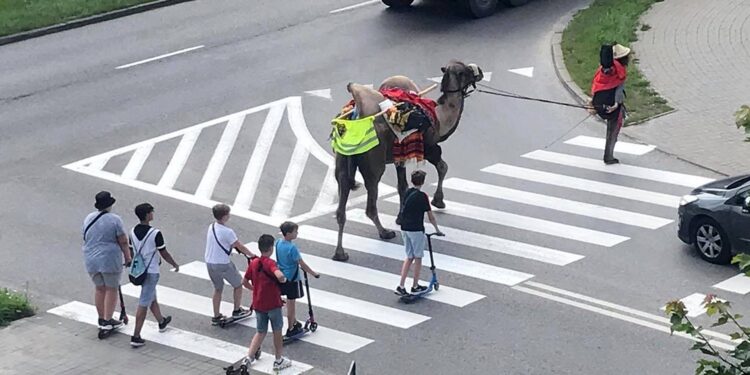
(695, 55)
(49, 344)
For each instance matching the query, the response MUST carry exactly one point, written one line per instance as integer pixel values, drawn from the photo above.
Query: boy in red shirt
(265, 277)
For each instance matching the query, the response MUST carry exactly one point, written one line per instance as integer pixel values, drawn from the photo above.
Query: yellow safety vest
(359, 136)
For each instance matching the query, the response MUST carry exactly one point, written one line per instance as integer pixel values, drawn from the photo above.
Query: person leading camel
(608, 94)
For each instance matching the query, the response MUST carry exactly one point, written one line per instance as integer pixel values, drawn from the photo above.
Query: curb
(87, 21)
(558, 60)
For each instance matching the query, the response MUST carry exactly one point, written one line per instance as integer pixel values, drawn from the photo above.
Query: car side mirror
(746, 203)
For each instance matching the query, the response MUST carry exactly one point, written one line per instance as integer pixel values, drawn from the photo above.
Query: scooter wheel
(243, 370)
(102, 334)
(230, 370)
(436, 286)
(313, 326)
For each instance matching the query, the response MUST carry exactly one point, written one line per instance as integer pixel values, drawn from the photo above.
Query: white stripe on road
(616, 315)
(551, 228)
(338, 303)
(739, 284)
(254, 170)
(693, 304)
(385, 280)
(98, 164)
(179, 159)
(583, 184)
(558, 204)
(480, 241)
(179, 339)
(620, 308)
(328, 191)
(136, 161)
(160, 57)
(449, 263)
(285, 198)
(326, 337)
(621, 147)
(658, 175)
(219, 159)
(355, 6)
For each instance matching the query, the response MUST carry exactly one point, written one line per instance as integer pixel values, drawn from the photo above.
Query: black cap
(104, 200)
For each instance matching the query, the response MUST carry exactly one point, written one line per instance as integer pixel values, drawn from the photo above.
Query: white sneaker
(248, 361)
(281, 363)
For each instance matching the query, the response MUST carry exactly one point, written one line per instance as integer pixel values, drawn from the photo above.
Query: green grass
(23, 15)
(13, 306)
(607, 21)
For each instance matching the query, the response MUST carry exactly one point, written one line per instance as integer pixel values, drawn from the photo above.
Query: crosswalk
(574, 227)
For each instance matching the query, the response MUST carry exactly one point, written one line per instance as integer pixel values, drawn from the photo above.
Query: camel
(454, 86)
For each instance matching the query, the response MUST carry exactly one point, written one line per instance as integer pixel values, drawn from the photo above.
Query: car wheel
(480, 8)
(398, 3)
(711, 241)
(515, 3)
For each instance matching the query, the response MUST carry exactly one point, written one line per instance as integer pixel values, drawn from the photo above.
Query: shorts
(106, 279)
(148, 290)
(220, 272)
(292, 289)
(414, 243)
(262, 318)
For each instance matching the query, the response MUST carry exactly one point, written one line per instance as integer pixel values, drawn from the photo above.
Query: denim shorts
(148, 290)
(106, 279)
(414, 243)
(262, 318)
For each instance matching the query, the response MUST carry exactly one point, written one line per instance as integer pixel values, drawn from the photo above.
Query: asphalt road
(64, 100)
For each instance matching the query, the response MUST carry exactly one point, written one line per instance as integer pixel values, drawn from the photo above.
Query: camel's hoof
(341, 256)
(387, 235)
(438, 204)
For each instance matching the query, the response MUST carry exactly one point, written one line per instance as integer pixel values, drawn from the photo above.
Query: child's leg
(291, 312)
(417, 269)
(405, 270)
(140, 317)
(156, 310)
(277, 324)
(255, 344)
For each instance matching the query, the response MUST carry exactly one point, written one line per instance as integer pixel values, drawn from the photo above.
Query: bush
(13, 306)
(742, 120)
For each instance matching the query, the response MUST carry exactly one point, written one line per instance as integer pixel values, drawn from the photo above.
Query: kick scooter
(104, 333)
(434, 284)
(310, 325)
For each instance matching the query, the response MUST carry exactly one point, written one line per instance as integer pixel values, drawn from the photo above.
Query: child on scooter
(265, 278)
(290, 261)
(414, 206)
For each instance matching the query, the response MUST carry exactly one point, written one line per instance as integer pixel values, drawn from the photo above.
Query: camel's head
(458, 77)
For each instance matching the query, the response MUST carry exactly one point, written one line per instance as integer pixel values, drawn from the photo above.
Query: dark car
(715, 218)
(476, 8)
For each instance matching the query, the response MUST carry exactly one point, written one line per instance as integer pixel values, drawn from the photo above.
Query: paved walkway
(696, 56)
(48, 344)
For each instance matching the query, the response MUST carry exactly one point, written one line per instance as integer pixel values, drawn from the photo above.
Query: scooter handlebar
(439, 234)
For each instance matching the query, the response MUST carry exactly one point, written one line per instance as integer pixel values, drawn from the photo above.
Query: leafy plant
(13, 306)
(721, 362)
(742, 120)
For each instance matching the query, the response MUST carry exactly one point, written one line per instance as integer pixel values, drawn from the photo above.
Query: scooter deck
(104, 333)
(237, 368)
(228, 321)
(288, 339)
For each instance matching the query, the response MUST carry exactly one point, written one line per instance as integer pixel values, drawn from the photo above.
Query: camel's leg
(372, 170)
(343, 173)
(434, 156)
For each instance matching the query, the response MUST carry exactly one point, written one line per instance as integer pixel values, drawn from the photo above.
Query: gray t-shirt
(101, 251)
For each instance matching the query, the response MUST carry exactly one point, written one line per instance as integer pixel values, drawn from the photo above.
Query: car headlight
(686, 199)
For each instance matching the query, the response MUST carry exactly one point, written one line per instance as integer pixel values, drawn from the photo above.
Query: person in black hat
(105, 244)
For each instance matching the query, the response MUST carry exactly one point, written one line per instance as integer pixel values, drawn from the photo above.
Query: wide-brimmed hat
(619, 51)
(104, 200)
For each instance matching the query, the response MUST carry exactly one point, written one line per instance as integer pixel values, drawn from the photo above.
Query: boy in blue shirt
(290, 260)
